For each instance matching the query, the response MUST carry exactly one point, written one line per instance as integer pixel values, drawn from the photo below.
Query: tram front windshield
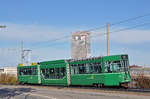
(117, 66)
(120, 65)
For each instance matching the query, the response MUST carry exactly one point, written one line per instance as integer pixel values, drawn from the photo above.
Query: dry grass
(8, 79)
(141, 81)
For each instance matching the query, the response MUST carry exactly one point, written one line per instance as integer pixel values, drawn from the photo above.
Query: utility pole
(21, 53)
(107, 39)
(25, 55)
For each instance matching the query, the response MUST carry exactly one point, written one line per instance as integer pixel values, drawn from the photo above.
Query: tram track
(116, 89)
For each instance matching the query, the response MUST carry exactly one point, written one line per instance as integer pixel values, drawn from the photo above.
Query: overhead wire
(120, 30)
(124, 29)
(93, 29)
(48, 41)
(119, 22)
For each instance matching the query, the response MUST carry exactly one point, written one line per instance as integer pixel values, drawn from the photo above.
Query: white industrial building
(136, 70)
(9, 70)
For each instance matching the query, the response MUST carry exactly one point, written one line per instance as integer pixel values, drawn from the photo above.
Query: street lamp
(2, 26)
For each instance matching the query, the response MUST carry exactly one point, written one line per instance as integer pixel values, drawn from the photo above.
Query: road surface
(45, 92)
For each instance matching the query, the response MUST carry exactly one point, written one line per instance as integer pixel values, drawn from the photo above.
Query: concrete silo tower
(80, 45)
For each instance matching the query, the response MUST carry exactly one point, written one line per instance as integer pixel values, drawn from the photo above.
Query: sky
(40, 22)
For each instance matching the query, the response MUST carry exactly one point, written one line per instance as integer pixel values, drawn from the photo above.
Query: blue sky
(70, 12)
(37, 21)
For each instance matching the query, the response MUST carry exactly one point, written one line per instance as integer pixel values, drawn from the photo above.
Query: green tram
(98, 71)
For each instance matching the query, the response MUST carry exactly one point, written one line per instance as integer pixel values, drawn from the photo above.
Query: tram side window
(62, 72)
(43, 71)
(117, 66)
(25, 72)
(108, 66)
(34, 71)
(88, 68)
(125, 65)
(46, 73)
(112, 66)
(28, 71)
(21, 72)
(57, 73)
(82, 69)
(53, 73)
(95, 68)
(74, 69)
